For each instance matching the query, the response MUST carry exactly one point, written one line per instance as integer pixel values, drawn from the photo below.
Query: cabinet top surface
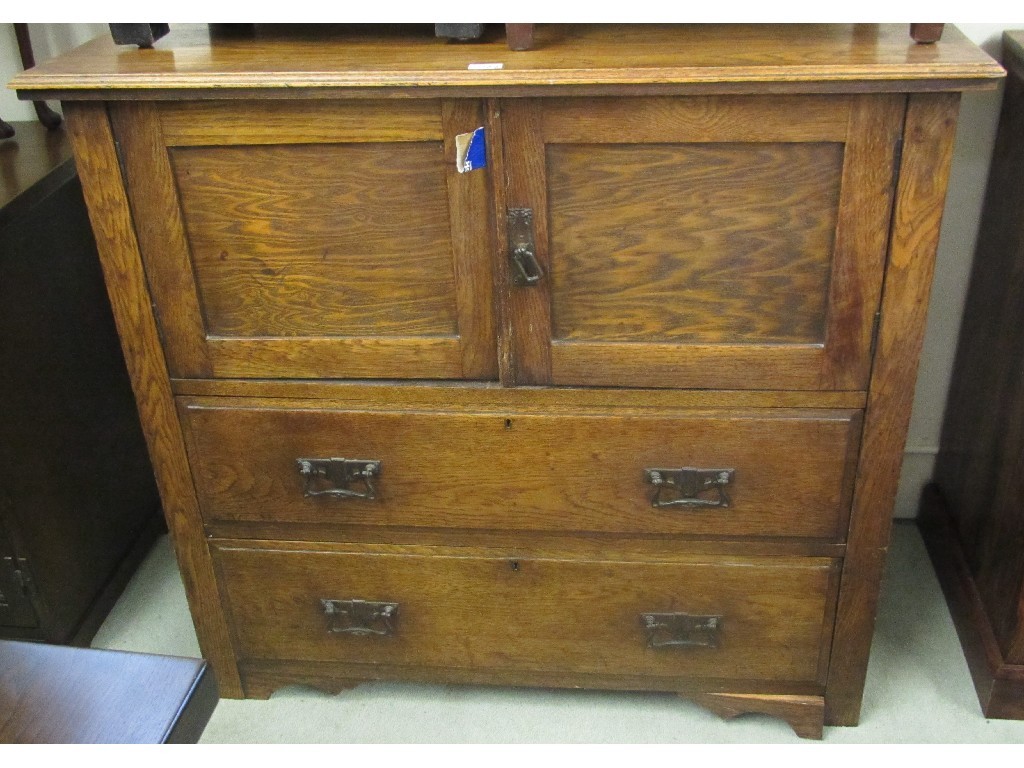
(279, 57)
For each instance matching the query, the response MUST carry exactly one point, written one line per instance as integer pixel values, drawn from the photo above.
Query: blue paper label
(471, 151)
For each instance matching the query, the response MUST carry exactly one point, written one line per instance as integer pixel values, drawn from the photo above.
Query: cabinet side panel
(978, 467)
(96, 157)
(928, 149)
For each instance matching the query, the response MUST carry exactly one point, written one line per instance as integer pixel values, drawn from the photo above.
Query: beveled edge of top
(324, 56)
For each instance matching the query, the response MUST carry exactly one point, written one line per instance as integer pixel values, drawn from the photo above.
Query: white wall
(978, 116)
(48, 40)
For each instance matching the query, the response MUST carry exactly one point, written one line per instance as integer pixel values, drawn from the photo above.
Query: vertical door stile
(470, 216)
(528, 307)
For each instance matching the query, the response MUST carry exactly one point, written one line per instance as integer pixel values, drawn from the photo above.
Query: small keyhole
(514, 565)
(508, 423)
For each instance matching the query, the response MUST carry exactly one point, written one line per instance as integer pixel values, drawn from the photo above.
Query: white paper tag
(488, 65)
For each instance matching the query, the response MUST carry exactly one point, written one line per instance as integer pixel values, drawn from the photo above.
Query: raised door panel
(313, 240)
(728, 242)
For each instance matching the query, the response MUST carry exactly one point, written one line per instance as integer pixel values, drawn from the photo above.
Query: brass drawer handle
(680, 630)
(360, 617)
(332, 477)
(688, 484)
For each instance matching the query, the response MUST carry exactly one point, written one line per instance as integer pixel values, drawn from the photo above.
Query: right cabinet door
(731, 242)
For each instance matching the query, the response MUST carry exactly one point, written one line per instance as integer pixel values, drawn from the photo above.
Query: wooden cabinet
(78, 504)
(623, 409)
(972, 516)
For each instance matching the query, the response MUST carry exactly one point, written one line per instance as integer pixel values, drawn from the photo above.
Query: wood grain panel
(789, 242)
(526, 309)
(263, 677)
(723, 243)
(471, 216)
(581, 616)
(928, 149)
(214, 123)
(335, 358)
(485, 396)
(97, 161)
(342, 240)
(730, 366)
(707, 119)
(861, 238)
(569, 472)
(162, 236)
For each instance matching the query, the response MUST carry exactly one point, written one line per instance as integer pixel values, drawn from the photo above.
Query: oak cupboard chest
(623, 408)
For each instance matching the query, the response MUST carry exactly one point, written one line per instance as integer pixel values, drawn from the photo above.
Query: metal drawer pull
(526, 270)
(360, 617)
(688, 484)
(331, 477)
(678, 630)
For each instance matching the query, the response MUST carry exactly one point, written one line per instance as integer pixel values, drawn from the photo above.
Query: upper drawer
(732, 242)
(313, 239)
(787, 472)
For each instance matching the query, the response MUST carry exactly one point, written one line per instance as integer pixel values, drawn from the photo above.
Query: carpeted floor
(918, 687)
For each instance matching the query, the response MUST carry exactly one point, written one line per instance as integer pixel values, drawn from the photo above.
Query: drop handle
(332, 477)
(526, 269)
(690, 487)
(681, 630)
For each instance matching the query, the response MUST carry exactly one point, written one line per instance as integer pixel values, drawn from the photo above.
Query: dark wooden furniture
(973, 515)
(78, 502)
(623, 409)
(58, 695)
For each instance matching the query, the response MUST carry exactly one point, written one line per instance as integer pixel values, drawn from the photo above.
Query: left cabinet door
(313, 239)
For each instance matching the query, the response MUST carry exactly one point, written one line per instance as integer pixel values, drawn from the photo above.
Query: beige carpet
(918, 687)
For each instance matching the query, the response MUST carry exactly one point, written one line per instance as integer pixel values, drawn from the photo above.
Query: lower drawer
(763, 618)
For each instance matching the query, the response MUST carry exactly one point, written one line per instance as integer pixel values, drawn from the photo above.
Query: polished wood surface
(32, 164)
(78, 505)
(703, 273)
(571, 472)
(337, 240)
(96, 157)
(362, 254)
(492, 396)
(978, 472)
(917, 215)
(658, 271)
(506, 609)
(798, 367)
(750, 57)
(998, 681)
(806, 714)
(57, 695)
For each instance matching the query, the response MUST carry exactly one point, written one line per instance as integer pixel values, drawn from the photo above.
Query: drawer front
(757, 618)
(747, 473)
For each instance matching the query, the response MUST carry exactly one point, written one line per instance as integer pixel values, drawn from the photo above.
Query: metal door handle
(526, 270)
